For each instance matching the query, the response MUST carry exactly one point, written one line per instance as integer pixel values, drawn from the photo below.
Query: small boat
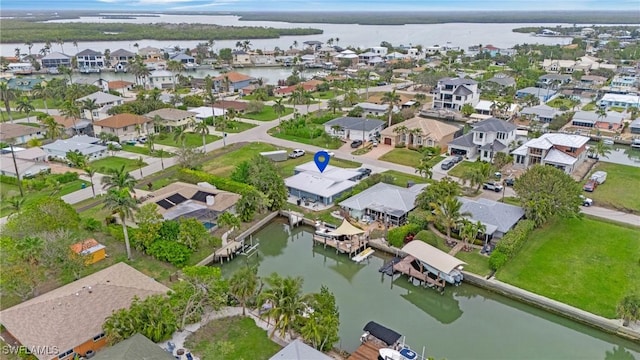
(607, 142)
(391, 354)
(363, 255)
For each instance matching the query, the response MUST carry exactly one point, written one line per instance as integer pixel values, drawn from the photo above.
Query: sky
(319, 5)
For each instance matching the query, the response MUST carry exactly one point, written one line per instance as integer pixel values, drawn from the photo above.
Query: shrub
(397, 235)
(400, 145)
(511, 243)
(91, 224)
(172, 252)
(66, 177)
(195, 176)
(8, 180)
(497, 259)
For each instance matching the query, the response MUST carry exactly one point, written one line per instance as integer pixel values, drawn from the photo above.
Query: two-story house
(486, 138)
(120, 58)
(453, 93)
(90, 59)
(172, 118)
(55, 59)
(564, 151)
(231, 81)
(103, 100)
(241, 57)
(124, 126)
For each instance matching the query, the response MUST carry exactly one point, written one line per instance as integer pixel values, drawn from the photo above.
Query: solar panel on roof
(201, 196)
(165, 204)
(177, 198)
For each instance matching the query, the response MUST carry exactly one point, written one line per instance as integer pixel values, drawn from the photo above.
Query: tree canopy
(42, 215)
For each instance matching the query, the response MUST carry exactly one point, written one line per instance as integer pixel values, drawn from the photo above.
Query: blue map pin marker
(321, 158)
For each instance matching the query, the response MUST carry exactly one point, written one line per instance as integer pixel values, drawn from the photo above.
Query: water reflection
(443, 308)
(618, 353)
(339, 263)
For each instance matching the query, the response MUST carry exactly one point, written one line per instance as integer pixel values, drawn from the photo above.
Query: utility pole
(15, 166)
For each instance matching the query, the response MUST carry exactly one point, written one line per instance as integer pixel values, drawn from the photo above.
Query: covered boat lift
(345, 239)
(435, 261)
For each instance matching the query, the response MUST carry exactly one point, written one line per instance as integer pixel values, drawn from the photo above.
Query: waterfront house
(172, 118)
(383, 201)
(634, 127)
(90, 59)
(86, 145)
(120, 59)
(162, 79)
(347, 58)
(619, 100)
(203, 202)
(150, 53)
(542, 113)
(23, 84)
(543, 94)
(19, 134)
(231, 81)
(20, 68)
(611, 121)
(298, 350)
(486, 107)
(564, 151)
(420, 132)
(137, 347)
(55, 59)
(375, 109)
(593, 80)
(310, 185)
(625, 82)
(241, 57)
(104, 101)
(497, 217)
(124, 126)
(183, 58)
(44, 321)
(354, 128)
(453, 93)
(485, 138)
(73, 126)
(120, 85)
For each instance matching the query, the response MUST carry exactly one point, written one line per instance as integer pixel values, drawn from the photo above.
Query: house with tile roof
(236, 81)
(485, 139)
(120, 85)
(73, 127)
(69, 319)
(124, 126)
(20, 134)
(563, 151)
(422, 132)
(453, 93)
(173, 118)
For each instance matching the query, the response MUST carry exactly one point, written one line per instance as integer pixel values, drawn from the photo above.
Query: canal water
(465, 323)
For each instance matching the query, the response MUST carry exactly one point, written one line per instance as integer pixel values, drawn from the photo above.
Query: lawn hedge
(397, 235)
(509, 245)
(195, 176)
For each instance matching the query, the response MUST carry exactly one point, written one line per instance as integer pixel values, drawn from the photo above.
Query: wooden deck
(350, 247)
(404, 267)
(367, 351)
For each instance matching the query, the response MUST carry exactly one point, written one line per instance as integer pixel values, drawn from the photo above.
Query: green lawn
(615, 192)
(402, 156)
(560, 102)
(324, 141)
(39, 103)
(113, 162)
(238, 337)
(236, 127)
(433, 240)
(462, 167)
(589, 107)
(267, 114)
(326, 95)
(9, 190)
(401, 179)
(143, 150)
(18, 115)
(224, 164)
(476, 263)
(586, 263)
(286, 167)
(253, 97)
(191, 140)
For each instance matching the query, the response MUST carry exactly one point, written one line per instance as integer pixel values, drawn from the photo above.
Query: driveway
(378, 151)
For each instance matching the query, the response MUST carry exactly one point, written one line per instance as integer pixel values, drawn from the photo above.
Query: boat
(607, 142)
(391, 354)
(363, 255)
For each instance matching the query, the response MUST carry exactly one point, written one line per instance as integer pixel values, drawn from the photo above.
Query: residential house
(204, 112)
(241, 57)
(120, 85)
(120, 59)
(625, 82)
(55, 59)
(238, 106)
(31, 154)
(375, 109)
(86, 145)
(137, 347)
(347, 58)
(542, 113)
(43, 322)
(151, 53)
(312, 186)
(505, 110)
(365, 57)
(19, 134)
(395, 56)
(23, 84)
(124, 126)
(543, 94)
(485, 138)
(231, 81)
(619, 100)
(502, 80)
(298, 350)
(553, 81)
(383, 201)
(564, 151)
(73, 127)
(173, 118)
(561, 66)
(421, 132)
(634, 127)
(30, 162)
(453, 93)
(90, 59)
(592, 80)
(612, 121)
(182, 200)
(183, 58)
(415, 54)
(20, 68)
(497, 217)
(288, 90)
(379, 51)
(162, 79)
(490, 50)
(354, 128)
(103, 100)
(313, 44)
(308, 59)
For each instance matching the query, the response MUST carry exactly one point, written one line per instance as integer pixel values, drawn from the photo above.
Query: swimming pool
(209, 225)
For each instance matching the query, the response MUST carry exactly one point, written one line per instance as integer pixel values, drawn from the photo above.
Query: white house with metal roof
(354, 128)
(498, 218)
(383, 201)
(564, 151)
(543, 113)
(485, 139)
(453, 93)
(86, 145)
(375, 109)
(311, 185)
(619, 100)
(611, 121)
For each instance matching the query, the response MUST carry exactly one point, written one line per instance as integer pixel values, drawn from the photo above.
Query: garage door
(387, 141)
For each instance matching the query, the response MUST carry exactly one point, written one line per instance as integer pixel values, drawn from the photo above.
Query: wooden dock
(405, 267)
(367, 351)
(351, 247)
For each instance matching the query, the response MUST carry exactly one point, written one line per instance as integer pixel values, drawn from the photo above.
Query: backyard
(114, 162)
(191, 140)
(598, 265)
(615, 192)
(323, 140)
(232, 338)
(408, 157)
(143, 150)
(267, 114)
(7, 191)
(234, 127)
(461, 168)
(401, 179)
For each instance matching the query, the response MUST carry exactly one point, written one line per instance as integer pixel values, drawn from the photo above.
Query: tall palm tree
(29, 45)
(53, 129)
(600, 149)
(308, 98)
(334, 105)
(90, 173)
(118, 179)
(175, 67)
(446, 212)
(278, 108)
(244, 285)
(140, 164)
(6, 95)
(24, 105)
(392, 99)
(90, 105)
(180, 135)
(287, 302)
(121, 202)
(203, 129)
(61, 43)
(71, 110)
(477, 175)
(40, 90)
(161, 154)
(470, 230)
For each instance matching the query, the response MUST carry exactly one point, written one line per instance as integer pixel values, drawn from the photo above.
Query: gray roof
(503, 80)
(590, 116)
(171, 114)
(494, 125)
(502, 216)
(121, 53)
(297, 350)
(55, 56)
(137, 347)
(65, 146)
(496, 146)
(101, 98)
(559, 77)
(386, 197)
(462, 90)
(182, 56)
(635, 123)
(542, 110)
(536, 91)
(355, 123)
(457, 81)
(463, 141)
(89, 52)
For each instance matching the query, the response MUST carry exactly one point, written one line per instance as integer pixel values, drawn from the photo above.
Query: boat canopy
(387, 335)
(346, 229)
(432, 256)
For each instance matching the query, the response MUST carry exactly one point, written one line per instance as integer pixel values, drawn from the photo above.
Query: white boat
(363, 255)
(391, 354)
(607, 142)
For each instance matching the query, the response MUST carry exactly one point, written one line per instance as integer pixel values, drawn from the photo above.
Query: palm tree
(61, 43)
(6, 95)
(243, 285)
(334, 105)
(71, 110)
(228, 220)
(77, 159)
(401, 130)
(392, 99)
(424, 169)
(308, 98)
(180, 135)
(118, 179)
(278, 108)
(446, 212)
(140, 164)
(202, 129)
(286, 300)
(477, 175)
(90, 105)
(53, 129)
(161, 154)
(175, 67)
(29, 45)
(15, 202)
(600, 149)
(40, 90)
(470, 230)
(351, 98)
(121, 202)
(90, 173)
(24, 105)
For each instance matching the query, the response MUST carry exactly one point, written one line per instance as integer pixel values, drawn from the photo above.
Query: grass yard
(18, 115)
(462, 167)
(589, 107)
(433, 240)
(267, 114)
(114, 162)
(402, 156)
(326, 95)
(324, 141)
(237, 337)
(191, 140)
(615, 192)
(476, 263)
(235, 127)
(286, 167)
(586, 263)
(224, 164)
(401, 179)
(559, 103)
(253, 97)
(9, 190)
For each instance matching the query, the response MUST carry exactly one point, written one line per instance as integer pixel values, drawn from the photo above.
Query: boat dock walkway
(367, 351)
(388, 267)
(404, 266)
(351, 247)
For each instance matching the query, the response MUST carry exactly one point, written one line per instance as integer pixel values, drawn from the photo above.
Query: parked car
(382, 83)
(447, 165)
(142, 139)
(331, 153)
(374, 143)
(586, 201)
(599, 176)
(509, 181)
(356, 144)
(492, 186)
(296, 153)
(116, 145)
(590, 186)
(365, 172)
(457, 158)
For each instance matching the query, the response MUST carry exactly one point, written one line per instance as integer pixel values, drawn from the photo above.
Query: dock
(388, 267)
(404, 267)
(367, 351)
(363, 255)
(351, 247)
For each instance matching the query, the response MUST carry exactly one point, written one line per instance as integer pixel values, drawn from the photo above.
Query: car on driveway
(356, 144)
(296, 153)
(509, 181)
(586, 202)
(456, 159)
(447, 165)
(590, 186)
(364, 172)
(492, 186)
